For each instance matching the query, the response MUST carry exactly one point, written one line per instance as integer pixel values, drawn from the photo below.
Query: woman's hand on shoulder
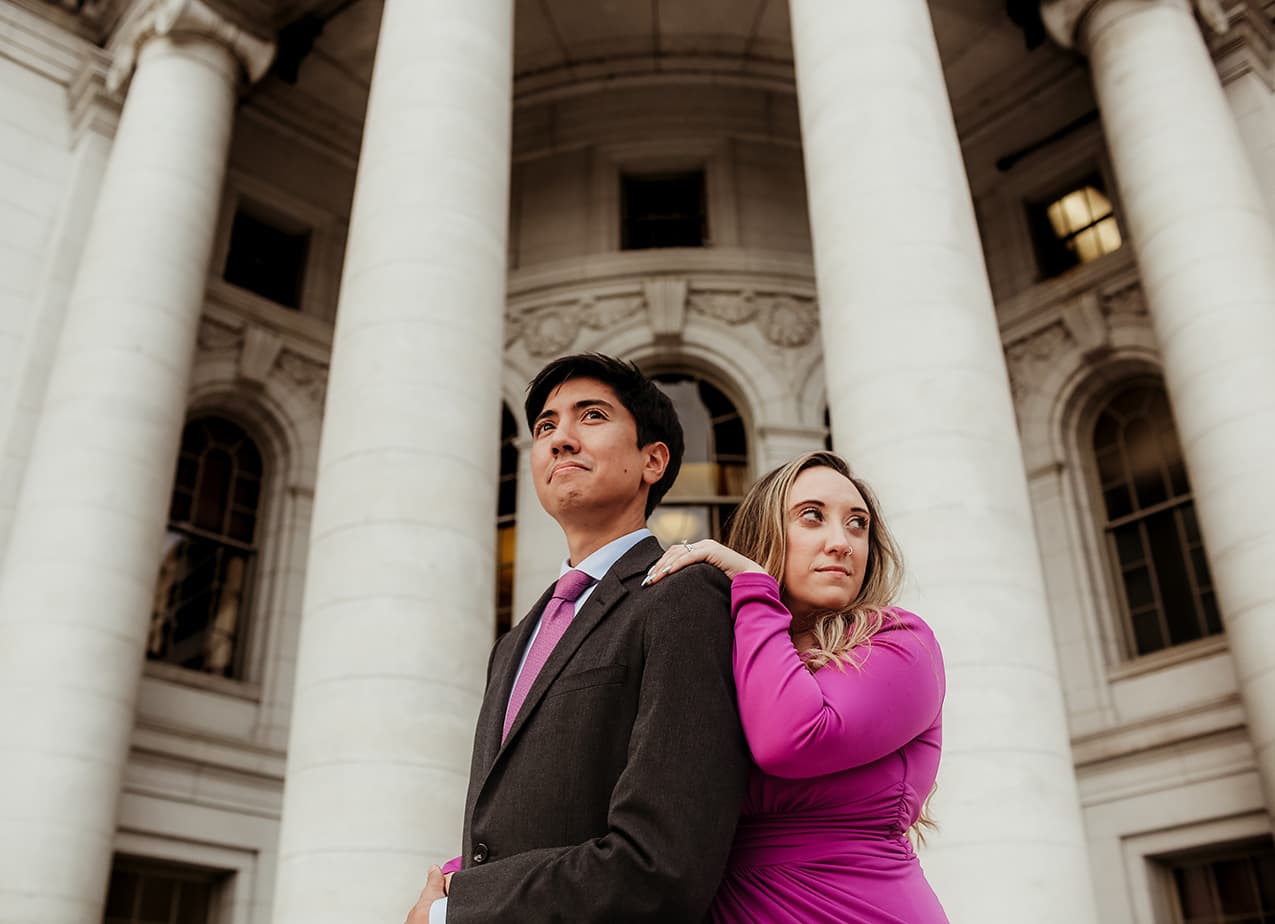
(681, 554)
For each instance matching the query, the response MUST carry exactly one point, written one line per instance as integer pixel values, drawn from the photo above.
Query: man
(609, 765)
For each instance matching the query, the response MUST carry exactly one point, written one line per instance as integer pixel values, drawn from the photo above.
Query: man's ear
(655, 458)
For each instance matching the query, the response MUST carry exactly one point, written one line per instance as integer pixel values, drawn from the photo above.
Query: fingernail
(646, 580)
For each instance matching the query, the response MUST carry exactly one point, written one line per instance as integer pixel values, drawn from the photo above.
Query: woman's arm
(800, 724)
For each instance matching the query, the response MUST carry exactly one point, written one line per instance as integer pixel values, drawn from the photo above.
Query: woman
(840, 695)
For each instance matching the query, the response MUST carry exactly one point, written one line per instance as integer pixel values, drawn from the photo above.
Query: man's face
(584, 456)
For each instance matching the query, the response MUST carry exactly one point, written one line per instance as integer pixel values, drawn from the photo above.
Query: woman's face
(827, 528)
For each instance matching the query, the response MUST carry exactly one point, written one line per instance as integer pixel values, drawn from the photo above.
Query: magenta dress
(844, 761)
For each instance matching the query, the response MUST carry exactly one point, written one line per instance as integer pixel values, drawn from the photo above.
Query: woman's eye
(858, 523)
(813, 514)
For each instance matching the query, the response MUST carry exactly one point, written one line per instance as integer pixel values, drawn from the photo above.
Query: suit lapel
(605, 597)
(492, 722)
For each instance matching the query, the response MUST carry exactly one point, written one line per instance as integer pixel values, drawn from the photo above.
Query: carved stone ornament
(790, 322)
(258, 354)
(1030, 359)
(550, 330)
(1127, 301)
(785, 320)
(161, 18)
(1063, 18)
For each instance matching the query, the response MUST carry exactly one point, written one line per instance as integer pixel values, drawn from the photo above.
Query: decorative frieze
(784, 318)
(258, 354)
(1030, 359)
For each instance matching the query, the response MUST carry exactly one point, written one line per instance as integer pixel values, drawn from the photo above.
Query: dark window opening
(663, 210)
(1229, 885)
(144, 892)
(267, 259)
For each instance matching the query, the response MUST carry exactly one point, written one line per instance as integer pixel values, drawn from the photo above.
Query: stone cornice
(159, 18)
(93, 107)
(1064, 18)
(1248, 44)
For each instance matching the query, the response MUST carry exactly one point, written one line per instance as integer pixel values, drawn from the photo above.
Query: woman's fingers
(681, 554)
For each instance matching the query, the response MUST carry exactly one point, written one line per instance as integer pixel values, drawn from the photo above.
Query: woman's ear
(655, 458)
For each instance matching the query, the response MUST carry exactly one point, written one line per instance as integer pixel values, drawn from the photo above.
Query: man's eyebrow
(578, 406)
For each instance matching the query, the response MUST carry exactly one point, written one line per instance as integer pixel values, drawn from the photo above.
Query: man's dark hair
(652, 410)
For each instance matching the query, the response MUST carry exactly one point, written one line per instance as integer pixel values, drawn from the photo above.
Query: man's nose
(563, 439)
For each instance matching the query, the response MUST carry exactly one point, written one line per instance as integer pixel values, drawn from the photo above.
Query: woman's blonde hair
(759, 530)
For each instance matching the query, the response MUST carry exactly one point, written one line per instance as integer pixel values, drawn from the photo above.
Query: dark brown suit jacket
(616, 794)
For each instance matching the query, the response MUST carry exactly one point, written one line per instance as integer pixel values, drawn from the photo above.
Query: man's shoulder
(697, 591)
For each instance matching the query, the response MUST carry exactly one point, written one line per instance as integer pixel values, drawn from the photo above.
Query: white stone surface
(541, 546)
(35, 168)
(920, 404)
(94, 500)
(397, 616)
(1206, 250)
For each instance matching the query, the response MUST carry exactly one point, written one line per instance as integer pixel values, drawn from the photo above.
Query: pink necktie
(553, 622)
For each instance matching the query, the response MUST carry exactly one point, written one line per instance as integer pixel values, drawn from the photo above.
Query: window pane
(158, 897)
(1176, 597)
(1194, 892)
(122, 895)
(1235, 886)
(1129, 549)
(193, 901)
(678, 523)
(1148, 636)
(662, 211)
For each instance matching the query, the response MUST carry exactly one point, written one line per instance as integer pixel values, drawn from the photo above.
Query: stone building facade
(274, 273)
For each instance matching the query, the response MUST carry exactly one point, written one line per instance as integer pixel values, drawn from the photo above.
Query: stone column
(81, 563)
(1206, 251)
(396, 624)
(541, 545)
(920, 405)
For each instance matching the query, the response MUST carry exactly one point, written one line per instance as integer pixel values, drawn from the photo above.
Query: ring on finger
(689, 547)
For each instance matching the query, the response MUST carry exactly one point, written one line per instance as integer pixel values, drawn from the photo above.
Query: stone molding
(260, 354)
(1082, 323)
(93, 107)
(1063, 18)
(784, 314)
(162, 18)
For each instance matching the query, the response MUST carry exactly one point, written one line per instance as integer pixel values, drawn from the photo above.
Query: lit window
(1234, 885)
(1075, 228)
(267, 258)
(152, 893)
(506, 520)
(666, 210)
(714, 474)
(1153, 539)
(197, 619)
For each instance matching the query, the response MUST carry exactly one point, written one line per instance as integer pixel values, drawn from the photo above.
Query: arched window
(506, 518)
(714, 471)
(201, 594)
(1152, 537)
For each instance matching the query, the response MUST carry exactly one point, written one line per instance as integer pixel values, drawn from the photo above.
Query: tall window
(1152, 535)
(506, 518)
(714, 473)
(197, 620)
(1234, 885)
(663, 210)
(153, 893)
(1075, 226)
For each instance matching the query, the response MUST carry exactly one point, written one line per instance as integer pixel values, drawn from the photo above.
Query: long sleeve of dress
(800, 724)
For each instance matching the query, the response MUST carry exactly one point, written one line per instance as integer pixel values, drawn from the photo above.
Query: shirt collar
(599, 563)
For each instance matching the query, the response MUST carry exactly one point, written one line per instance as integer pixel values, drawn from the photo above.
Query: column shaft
(1206, 252)
(398, 608)
(920, 405)
(541, 546)
(81, 562)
